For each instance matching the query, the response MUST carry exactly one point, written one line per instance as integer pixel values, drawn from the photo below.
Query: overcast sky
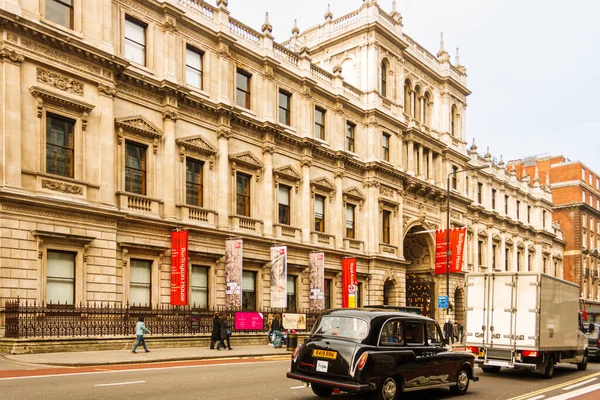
(532, 65)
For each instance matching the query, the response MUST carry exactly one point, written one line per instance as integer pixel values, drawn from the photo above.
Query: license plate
(480, 354)
(332, 355)
(322, 366)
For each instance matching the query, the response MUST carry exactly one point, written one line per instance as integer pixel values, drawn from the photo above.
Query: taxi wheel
(321, 391)
(462, 382)
(389, 389)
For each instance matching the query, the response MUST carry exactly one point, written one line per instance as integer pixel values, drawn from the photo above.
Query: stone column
(411, 158)
(503, 252)
(430, 174)
(225, 72)
(267, 192)
(107, 145)
(10, 168)
(339, 214)
(305, 199)
(169, 165)
(421, 167)
(399, 150)
(224, 181)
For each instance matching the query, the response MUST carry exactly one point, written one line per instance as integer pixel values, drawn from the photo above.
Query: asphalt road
(259, 379)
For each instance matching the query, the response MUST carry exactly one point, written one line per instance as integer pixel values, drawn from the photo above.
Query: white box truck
(524, 320)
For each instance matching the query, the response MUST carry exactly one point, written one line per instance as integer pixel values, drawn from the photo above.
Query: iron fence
(29, 319)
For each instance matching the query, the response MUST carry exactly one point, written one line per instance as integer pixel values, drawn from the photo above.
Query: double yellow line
(549, 389)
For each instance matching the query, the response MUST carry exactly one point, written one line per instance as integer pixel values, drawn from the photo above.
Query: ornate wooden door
(419, 293)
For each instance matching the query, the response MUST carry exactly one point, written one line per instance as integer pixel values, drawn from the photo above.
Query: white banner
(233, 272)
(294, 321)
(279, 277)
(316, 296)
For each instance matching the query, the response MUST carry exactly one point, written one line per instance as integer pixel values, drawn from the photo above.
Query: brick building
(576, 197)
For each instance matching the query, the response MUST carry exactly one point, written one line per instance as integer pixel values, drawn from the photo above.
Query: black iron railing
(29, 319)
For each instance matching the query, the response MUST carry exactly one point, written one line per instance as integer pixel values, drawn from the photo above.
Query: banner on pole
(316, 296)
(233, 272)
(179, 268)
(457, 248)
(279, 276)
(349, 282)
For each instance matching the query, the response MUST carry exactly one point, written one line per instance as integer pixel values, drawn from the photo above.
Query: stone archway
(420, 287)
(459, 306)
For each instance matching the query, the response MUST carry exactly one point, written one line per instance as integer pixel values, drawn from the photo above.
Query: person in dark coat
(225, 334)
(215, 335)
(449, 332)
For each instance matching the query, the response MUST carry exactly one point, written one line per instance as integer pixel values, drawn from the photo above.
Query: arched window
(426, 108)
(454, 121)
(383, 79)
(418, 104)
(407, 102)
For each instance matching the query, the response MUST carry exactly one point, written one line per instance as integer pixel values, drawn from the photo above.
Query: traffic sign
(442, 302)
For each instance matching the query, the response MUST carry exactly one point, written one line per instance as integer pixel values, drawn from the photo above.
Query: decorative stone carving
(386, 191)
(353, 194)
(170, 114)
(11, 55)
(62, 187)
(138, 125)
(107, 90)
(197, 144)
(170, 25)
(246, 160)
(59, 81)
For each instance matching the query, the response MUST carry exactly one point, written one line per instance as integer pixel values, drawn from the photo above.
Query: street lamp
(448, 251)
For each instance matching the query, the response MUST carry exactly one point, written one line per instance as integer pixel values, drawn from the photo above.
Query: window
(193, 182)
(350, 213)
(60, 278)
(59, 145)
(506, 204)
(193, 67)
(319, 213)
(249, 290)
(385, 147)
(135, 168)
(519, 255)
(583, 196)
(327, 294)
(383, 79)
(494, 251)
(413, 333)
(528, 214)
(479, 192)
(319, 123)
(391, 334)
(199, 286)
(529, 262)
(385, 226)
(139, 282)
(544, 218)
(480, 252)
(242, 89)
(583, 174)
(453, 121)
(434, 336)
(506, 258)
(291, 293)
(242, 194)
(135, 41)
(284, 107)
(350, 127)
(518, 209)
(493, 199)
(545, 265)
(284, 205)
(60, 12)
(454, 182)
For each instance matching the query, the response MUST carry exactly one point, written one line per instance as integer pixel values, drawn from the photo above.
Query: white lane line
(541, 396)
(298, 387)
(579, 384)
(576, 393)
(120, 383)
(136, 370)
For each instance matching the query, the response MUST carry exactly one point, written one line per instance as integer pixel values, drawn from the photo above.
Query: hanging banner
(233, 272)
(179, 268)
(457, 248)
(316, 294)
(349, 282)
(279, 277)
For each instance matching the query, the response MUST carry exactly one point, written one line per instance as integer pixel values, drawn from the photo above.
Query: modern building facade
(576, 197)
(123, 120)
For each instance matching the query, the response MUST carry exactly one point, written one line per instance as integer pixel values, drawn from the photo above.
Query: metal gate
(419, 293)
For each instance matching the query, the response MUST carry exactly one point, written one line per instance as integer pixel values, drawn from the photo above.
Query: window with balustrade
(350, 221)
(319, 217)
(242, 192)
(135, 167)
(193, 182)
(284, 199)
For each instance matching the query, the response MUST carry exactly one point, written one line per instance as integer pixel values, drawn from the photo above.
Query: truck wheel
(582, 366)
(389, 389)
(321, 391)
(493, 369)
(462, 382)
(549, 368)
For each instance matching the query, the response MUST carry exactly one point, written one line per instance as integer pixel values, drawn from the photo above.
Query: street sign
(442, 302)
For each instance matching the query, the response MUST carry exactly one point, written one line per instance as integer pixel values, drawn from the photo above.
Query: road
(259, 378)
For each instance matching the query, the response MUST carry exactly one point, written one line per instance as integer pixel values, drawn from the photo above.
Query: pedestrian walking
(140, 329)
(215, 335)
(449, 332)
(276, 328)
(225, 334)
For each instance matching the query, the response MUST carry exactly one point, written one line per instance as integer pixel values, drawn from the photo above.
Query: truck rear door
(476, 314)
(501, 300)
(526, 313)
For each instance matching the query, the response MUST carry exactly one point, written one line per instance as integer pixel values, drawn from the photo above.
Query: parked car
(592, 331)
(389, 352)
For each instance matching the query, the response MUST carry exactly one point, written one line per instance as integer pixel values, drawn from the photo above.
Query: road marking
(580, 384)
(555, 387)
(576, 393)
(298, 387)
(537, 397)
(136, 370)
(120, 383)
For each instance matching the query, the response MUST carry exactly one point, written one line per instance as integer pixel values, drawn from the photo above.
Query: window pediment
(246, 160)
(288, 173)
(197, 144)
(496, 238)
(482, 233)
(509, 242)
(45, 97)
(137, 125)
(530, 248)
(353, 194)
(521, 246)
(322, 184)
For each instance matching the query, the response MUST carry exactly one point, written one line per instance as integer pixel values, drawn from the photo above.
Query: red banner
(457, 247)
(179, 268)
(349, 282)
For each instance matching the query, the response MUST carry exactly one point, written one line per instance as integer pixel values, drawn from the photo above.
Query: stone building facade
(123, 120)
(576, 197)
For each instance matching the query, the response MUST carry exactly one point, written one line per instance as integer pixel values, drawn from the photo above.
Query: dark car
(363, 350)
(592, 331)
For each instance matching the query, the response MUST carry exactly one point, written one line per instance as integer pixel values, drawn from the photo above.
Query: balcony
(197, 215)
(323, 239)
(354, 245)
(288, 232)
(138, 204)
(246, 224)
(388, 250)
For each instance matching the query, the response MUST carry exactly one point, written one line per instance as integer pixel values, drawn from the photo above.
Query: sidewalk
(112, 357)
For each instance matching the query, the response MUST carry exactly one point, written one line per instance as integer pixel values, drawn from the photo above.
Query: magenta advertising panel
(248, 321)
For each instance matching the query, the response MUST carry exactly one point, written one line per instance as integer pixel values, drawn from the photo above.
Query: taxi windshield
(342, 327)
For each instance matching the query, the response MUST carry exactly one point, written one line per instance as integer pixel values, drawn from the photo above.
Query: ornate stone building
(123, 120)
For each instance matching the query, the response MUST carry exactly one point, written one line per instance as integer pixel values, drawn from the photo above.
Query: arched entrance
(388, 289)
(419, 282)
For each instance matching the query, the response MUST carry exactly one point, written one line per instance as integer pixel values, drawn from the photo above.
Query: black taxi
(388, 352)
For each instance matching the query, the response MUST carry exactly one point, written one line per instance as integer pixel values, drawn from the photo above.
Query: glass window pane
(284, 195)
(193, 78)
(199, 286)
(140, 271)
(248, 278)
(60, 12)
(135, 32)
(61, 265)
(139, 282)
(349, 213)
(319, 205)
(291, 285)
(242, 82)
(60, 277)
(193, 59)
